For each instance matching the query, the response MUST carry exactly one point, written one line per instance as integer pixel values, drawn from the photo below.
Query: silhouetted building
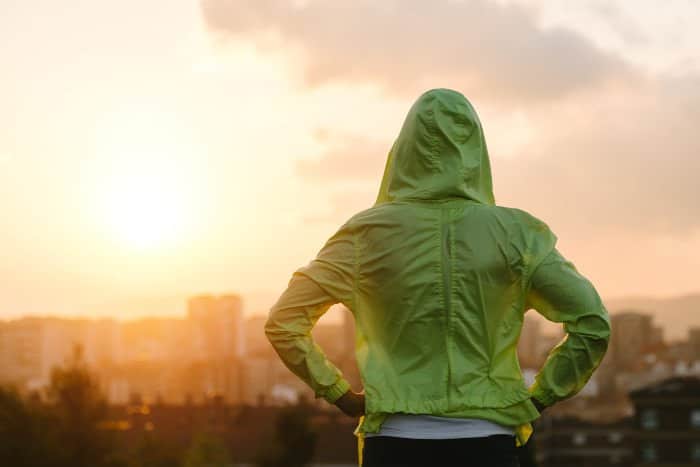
(216, 323)
(571, 442)
(256, 343)
(694, 343)
(156, 340)
(245, 430)
(667, 419)
(102, 343)
(31, 347)
(21, 351)
(632, 335)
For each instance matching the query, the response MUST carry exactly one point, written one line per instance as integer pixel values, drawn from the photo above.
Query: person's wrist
(538, 405)
(351, 403)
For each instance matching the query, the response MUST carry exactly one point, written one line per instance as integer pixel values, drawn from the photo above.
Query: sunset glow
(214, 146)
(224, 224)
(145, 209)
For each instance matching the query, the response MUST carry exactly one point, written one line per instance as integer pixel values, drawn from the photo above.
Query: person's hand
(538, 405)
(352, 404)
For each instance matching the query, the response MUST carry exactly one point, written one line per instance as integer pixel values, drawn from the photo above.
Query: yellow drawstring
(360, 441)
(522, 434)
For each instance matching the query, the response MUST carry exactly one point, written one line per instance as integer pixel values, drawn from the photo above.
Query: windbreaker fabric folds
(438, 278)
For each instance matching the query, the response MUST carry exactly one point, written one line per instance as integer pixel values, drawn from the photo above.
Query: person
(438, 279)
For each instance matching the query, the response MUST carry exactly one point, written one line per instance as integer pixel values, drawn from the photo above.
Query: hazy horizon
(676, 315)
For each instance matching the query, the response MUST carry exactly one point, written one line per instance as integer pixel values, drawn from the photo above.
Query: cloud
(623, 159)
(343, 203)
(345, 158)
(615, 159)
(406, 46)
(607, 146)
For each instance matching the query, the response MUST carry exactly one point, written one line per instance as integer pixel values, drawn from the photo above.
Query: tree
(77, 408)
(25, 438)
(152, 452)
(294, 441)
(207, 450)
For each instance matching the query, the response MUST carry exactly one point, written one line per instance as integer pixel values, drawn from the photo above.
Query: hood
(439, 154)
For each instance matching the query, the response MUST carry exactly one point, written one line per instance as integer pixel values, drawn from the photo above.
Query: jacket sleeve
(288, 328)
(561, 294)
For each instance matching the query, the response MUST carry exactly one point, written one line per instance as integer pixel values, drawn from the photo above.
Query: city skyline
(214, 349)
(674, 315)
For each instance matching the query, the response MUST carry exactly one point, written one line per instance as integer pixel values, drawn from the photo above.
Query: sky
(154, 150)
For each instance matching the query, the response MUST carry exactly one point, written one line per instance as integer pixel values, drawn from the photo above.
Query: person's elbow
(605, 326)
(596, 329)
(598, 322)
(279, 330)
(593, 323)
(605, 331)
(274, 331)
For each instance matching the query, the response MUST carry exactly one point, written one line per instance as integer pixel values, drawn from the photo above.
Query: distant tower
(216, 326)
(217, 336)
(694, 343)
(632, 335)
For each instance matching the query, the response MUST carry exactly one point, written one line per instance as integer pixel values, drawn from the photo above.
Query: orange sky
(153, 150)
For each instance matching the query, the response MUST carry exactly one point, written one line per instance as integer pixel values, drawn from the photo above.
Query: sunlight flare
(145, 209)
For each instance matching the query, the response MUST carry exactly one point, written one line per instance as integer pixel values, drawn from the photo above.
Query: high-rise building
(155, 340)
(256, 343)
(216, 326)
(694, 343)
(102, 342)
(632, 335)
(21, 355)
(217, 344)
(31, 347)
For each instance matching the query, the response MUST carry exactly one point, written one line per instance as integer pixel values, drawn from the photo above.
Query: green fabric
(438, 278)
(289, 330)
(440, 153)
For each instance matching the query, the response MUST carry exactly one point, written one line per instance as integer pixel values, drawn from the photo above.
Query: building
(21, 355)
(31, 347)
(694, 343)
(667, 422)
(572, 442)
(632, 336)
(245, 431)
(155, 340)
(217, 339)
(216, 324)
(102, 342)
(256, 343)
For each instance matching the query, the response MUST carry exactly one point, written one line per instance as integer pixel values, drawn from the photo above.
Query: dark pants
(489, 451)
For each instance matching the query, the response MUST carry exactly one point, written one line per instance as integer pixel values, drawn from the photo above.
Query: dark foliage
(294, 440)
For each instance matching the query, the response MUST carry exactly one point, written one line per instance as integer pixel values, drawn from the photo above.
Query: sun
(145, 208)
(145, 181)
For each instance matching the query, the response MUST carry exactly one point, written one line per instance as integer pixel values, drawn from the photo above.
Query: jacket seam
(356, 272)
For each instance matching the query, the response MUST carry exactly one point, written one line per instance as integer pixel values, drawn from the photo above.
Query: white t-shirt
(419, 426)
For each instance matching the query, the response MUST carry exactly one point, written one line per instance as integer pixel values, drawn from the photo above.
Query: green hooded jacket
(438, 278)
